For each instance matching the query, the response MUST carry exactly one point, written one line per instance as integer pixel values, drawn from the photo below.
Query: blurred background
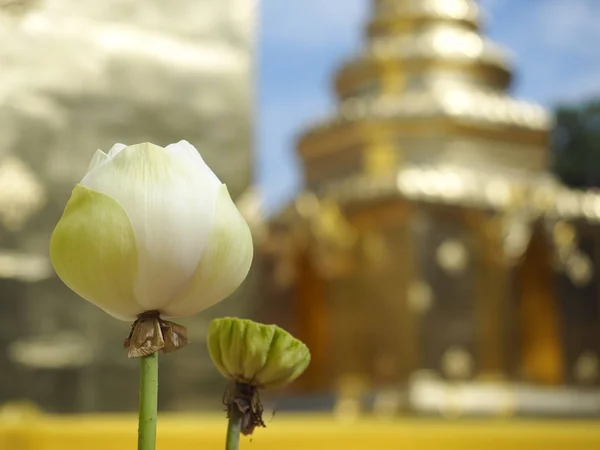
(420, 177)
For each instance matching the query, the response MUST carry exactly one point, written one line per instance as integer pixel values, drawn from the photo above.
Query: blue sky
(555, 46)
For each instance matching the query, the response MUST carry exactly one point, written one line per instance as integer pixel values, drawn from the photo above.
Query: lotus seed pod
(248, 352)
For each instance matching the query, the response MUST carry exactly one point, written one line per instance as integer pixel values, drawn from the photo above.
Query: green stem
(148, 402)
(234, 427)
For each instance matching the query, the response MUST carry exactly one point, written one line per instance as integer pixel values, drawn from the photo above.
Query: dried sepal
(244, 399)
(150, 334)
(175, 336)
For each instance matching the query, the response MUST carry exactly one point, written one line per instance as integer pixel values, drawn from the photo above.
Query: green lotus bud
(264, 356)
(253, 355)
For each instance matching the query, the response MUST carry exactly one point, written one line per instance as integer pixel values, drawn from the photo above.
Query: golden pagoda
(432, 263)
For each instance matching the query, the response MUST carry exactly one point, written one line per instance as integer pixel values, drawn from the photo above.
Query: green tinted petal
(236, 343)
(240, 347)
(213, 342)
(287, 359)
(93, 252)
(258, 338)
(261, 355)
(298, 362)
(227, 358)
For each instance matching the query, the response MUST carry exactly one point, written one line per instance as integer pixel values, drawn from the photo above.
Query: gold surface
(81, 75)
(116, 432)
(367, 68)
(397, 12)
(338, 139)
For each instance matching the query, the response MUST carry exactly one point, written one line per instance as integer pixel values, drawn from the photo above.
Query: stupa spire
(427, 88)
(432, 40)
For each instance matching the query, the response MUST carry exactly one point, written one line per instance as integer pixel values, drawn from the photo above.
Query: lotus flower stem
(234, 428)
(148, 402)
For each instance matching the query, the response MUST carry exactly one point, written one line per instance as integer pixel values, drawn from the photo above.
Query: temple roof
(465, 10)
(542, 195)
(437, 42)
(472, 104)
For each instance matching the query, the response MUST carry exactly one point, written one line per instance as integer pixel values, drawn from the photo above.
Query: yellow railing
(27, 430)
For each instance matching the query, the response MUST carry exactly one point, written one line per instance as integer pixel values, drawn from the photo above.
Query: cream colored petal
(116, 149)
(171, 205)
(93, 251)
(185, 150)
(98, 159)
(224, 264)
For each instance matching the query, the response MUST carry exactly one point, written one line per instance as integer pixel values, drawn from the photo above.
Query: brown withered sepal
(150, 334)
(243, 399)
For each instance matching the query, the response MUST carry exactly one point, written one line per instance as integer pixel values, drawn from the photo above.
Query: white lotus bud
(151, 229)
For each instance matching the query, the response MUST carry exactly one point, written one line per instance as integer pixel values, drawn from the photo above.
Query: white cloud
(569, 34)
(321, 32)
(491, 6)
(282, 119)
(581, 88)
(554, 43)
(569, 25)
(313, 22)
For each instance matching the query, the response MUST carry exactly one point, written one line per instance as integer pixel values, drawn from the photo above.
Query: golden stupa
(432, 263)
